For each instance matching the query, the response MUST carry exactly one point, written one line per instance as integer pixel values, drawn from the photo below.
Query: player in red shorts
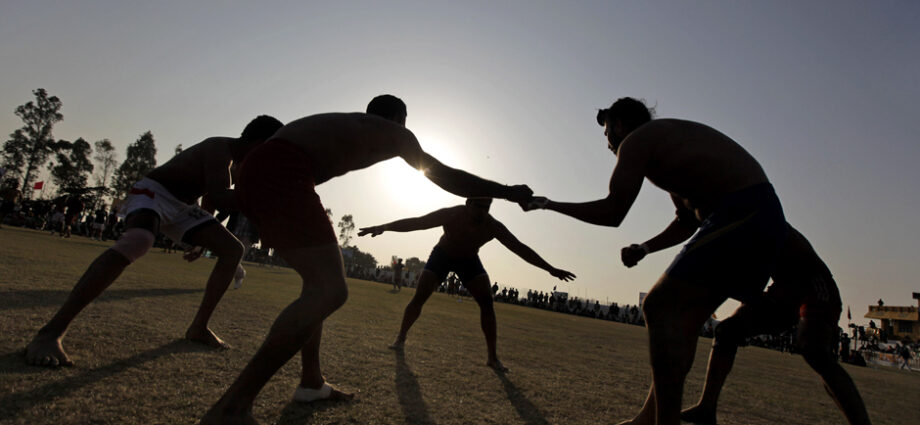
(276, 192)
(803, 294)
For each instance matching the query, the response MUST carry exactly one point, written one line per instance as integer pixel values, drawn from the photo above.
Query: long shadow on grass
(16, 402)
(525, 408)
(410, 393)
(12, 300)
(295, 413)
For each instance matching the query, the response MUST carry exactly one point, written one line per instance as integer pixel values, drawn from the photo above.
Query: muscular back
(337, 143)
(190, 174)
(691, 160)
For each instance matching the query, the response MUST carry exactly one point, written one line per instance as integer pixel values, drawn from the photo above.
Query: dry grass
(132, 366)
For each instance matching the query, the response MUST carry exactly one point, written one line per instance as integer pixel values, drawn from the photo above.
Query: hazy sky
(822, 93)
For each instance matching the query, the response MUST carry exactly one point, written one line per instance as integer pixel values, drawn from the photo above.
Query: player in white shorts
(166, 201)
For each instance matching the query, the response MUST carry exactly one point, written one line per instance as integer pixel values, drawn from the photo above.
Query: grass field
(132, 367)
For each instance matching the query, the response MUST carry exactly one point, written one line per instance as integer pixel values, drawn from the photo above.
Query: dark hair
(261, 128)
(632, 113)
(387, 106)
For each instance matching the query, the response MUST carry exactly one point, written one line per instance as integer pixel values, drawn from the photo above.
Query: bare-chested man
(166, 201)
(276, 191)
(466, 229)
(803, 294)
(732, 254)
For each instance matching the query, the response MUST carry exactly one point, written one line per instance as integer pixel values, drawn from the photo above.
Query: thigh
(146, 219)
(480, 289)
(210, 235)
(681, 303)
(428, 281)
(318, 266)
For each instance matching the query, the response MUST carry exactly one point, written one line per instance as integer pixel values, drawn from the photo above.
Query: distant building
(898, 322)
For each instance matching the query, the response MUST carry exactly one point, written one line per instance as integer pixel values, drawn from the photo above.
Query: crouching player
(803, 294)
(166, 201)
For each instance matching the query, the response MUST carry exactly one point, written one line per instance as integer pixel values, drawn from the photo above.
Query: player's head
(260, 129)
(388, 107)
(479, 207)
(621, 118)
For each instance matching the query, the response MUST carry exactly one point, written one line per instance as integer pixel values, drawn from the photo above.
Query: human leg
(229, 251)
(815, 337)
(313, 385)
(748, 320)
(427, 282)
(240, 271)
(324, 291)
(46, 348)
(674, 313)
(482, 293)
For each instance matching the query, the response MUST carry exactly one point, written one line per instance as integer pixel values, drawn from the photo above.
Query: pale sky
(822, 94)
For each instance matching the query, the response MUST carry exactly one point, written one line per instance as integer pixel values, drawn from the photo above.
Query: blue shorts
(736, 249)
(441, 264)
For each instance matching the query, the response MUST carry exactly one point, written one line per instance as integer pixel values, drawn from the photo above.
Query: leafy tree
(29, 147)
(414, 265)
(105, 165)
(362, 259)
(73, 166)
(346, 227)
(139, 160)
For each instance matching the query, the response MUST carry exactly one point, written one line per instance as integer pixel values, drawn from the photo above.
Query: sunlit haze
(822, 93)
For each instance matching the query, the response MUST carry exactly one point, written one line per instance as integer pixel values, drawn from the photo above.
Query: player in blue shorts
(466, 229)
(732, 254)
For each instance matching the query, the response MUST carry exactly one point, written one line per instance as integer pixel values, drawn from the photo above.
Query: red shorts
(276, 192)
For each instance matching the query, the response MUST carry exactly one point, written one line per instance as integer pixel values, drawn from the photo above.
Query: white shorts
(176, 217)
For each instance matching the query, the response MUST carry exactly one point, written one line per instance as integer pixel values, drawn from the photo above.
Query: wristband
(644, 248)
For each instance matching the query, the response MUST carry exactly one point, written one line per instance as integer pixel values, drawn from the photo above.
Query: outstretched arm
(458, 182)
(624, 188)
(434, 219)
(525, 252)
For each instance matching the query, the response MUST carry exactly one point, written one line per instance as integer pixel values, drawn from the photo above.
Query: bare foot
(47, 351)
(497, 365)
(325, 392)
(699, 416)
(399, 344)
(206, 337)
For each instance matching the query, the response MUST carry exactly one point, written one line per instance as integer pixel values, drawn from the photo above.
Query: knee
(232, 250)
(727, 334)
(134, 243)
(818, 359)
(336, 295)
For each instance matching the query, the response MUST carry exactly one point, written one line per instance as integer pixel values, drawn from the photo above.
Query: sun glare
(411, 187)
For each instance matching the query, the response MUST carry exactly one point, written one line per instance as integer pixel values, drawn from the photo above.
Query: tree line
(93, 170)
(75, 167)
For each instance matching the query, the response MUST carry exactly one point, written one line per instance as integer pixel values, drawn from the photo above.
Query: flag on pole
(849, 316)
(38, 185)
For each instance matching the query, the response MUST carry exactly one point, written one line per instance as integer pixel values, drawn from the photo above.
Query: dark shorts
(441, 264)
(276, 192)
(736, 248)
(813, 298)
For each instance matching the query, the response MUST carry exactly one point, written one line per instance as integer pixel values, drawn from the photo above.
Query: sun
(411, 187)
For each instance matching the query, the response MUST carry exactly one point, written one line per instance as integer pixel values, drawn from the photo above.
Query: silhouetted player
(166, 201)
(276, 191)
(466, 229)
(803, 294)
(732, 255)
